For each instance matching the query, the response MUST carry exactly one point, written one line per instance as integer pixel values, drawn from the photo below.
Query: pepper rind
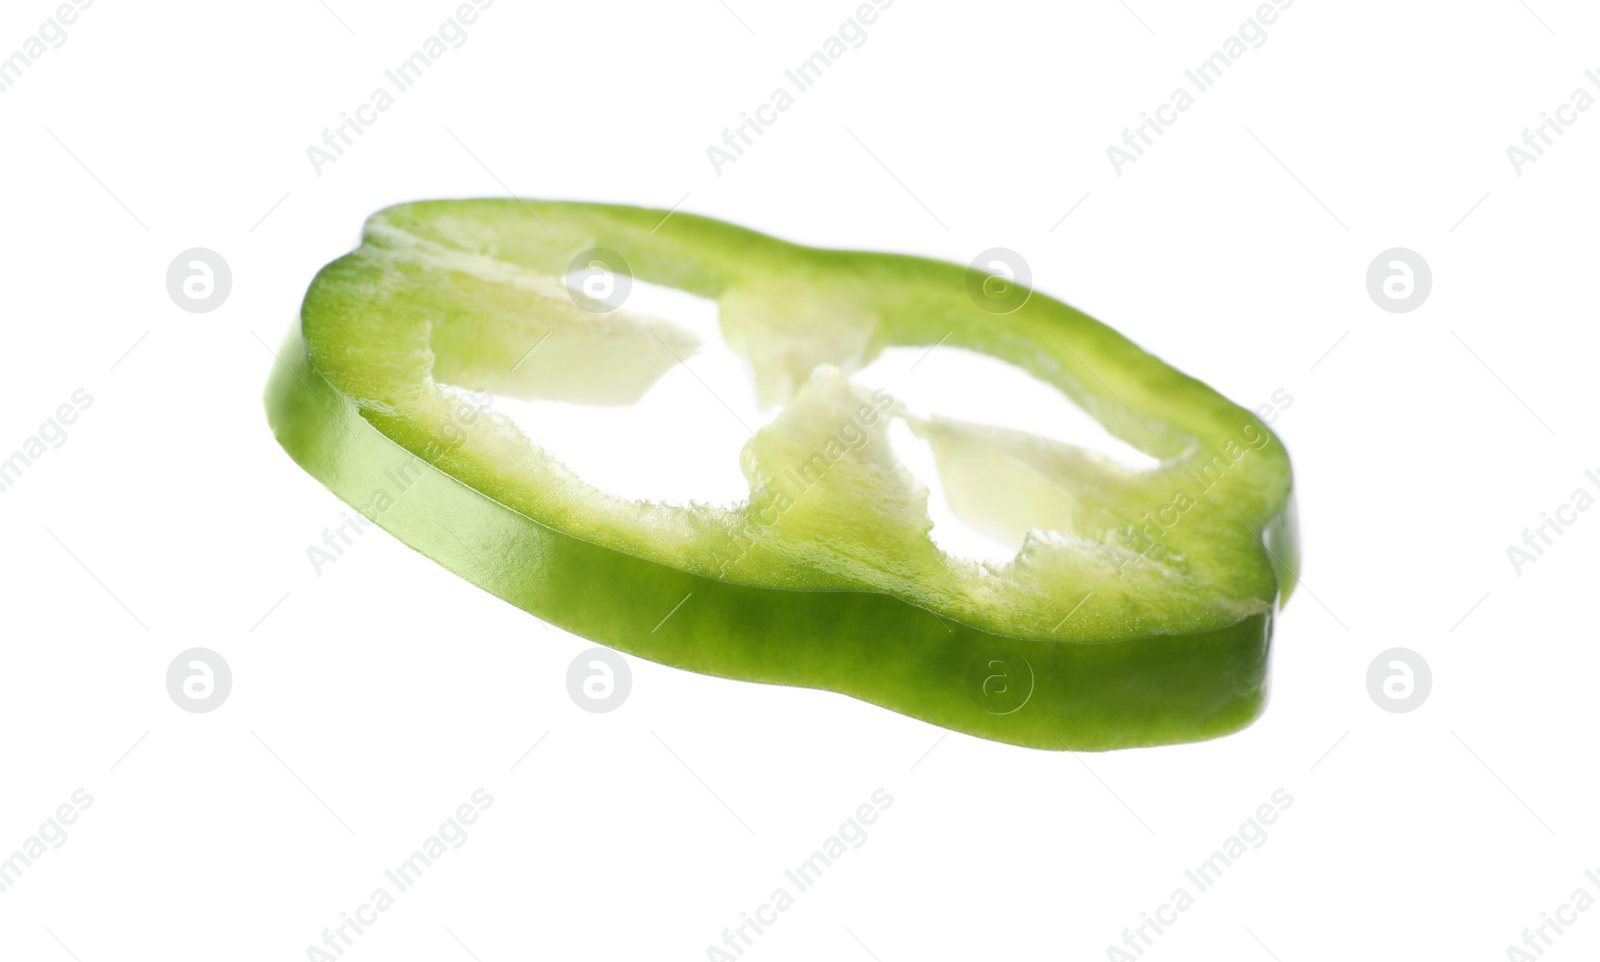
(1096, 691)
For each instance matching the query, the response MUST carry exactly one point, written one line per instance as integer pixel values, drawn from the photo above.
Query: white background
(371, 700)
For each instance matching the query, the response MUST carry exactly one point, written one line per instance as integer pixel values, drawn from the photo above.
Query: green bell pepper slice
(1138, 610)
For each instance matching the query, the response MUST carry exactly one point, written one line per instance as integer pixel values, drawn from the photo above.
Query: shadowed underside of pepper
(1137, 611)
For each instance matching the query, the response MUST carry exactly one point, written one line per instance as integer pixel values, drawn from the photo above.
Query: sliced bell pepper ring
(1138, 610)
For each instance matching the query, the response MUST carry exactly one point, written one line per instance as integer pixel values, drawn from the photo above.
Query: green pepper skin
(344, 412)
